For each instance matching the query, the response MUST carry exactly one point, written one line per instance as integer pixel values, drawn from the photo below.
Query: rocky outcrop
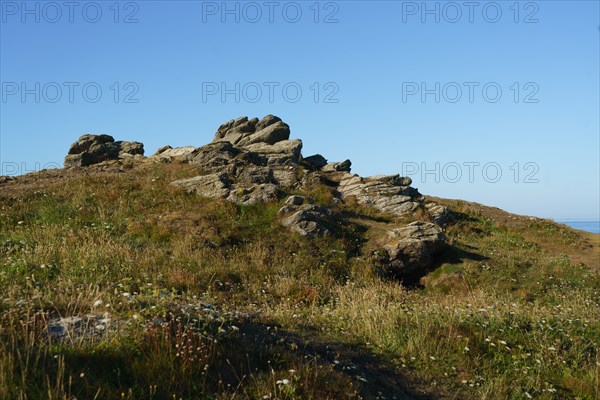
(243, 132)
(255, 194)
(94, 149)
(221, 186)
(247, 162)
(286, 152)
(169, 154)
(220, 156)
(314, 162)
(268, 137)
(413, 248)
(306, 219)
(387, 193)
(440, 215)
(246, 156)
(252, 161)
(295, 200)
(343, 166)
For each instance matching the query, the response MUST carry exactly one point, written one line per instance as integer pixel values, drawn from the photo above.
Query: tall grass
(203, 297)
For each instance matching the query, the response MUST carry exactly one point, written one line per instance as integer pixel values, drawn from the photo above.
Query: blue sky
(362, 68)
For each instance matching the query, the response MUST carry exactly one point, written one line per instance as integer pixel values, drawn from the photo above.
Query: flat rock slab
(75, 328)
(387, 193)
(211, 185)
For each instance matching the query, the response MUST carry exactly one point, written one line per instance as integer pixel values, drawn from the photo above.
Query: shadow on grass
(450, 255)
(242, 365)
(372, 375)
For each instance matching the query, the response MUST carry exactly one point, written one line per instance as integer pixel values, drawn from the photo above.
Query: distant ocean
(589, 226)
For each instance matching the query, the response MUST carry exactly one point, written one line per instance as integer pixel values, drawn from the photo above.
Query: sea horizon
(588, 225)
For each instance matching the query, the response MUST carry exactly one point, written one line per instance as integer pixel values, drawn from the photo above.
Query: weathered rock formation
(169, 154)
(314, 162)
(252, 161)
(343, 166)
(389, 194)
(94, 149)
(306, 219)
(440, 215)
(310, 220)
(247, 162)
(413, 248)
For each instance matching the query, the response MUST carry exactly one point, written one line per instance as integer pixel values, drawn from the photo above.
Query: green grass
(211, 300)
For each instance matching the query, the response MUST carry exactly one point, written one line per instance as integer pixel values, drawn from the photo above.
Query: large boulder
(388, 194)
(233, 127)
(94, 149)
(314, 162)
(308, 220)
(286, 152)
(270, 135)
(266, 121)
(86, 141)
(243, 132)
(130, 148)
(413, 248)
(343, 166)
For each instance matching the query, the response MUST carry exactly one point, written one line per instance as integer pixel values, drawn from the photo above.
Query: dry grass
(211, 300)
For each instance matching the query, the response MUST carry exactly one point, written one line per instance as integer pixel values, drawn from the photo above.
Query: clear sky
(463, 90)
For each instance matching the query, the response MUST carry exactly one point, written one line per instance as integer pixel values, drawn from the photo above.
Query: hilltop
(245, 269)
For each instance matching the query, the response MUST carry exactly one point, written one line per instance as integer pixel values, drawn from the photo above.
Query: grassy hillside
(186, 297)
